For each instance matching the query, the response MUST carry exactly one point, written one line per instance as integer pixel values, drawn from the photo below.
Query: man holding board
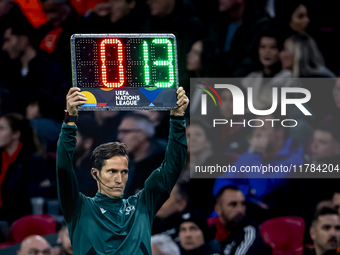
(107, 223)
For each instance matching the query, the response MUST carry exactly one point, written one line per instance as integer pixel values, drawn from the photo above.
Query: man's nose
(119, 178)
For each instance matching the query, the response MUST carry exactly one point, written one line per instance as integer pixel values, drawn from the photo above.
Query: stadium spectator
(45, 120)
(35, 245)
(233, 229)
(336, 199)
(145, 153)
(271, 145)
(292, 16)
(201, 59)
(167, 216)
(194, 236)
(268, 66)
(325, 232)
(22, 167)
(54, 36)
(122, 16)
(237, 27)
(31, 71)
(10, 13)
(231, 139)
(325, 147)
(301, 55)
(160, 121)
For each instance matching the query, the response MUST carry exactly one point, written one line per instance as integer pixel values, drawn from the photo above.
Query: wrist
(70, 119)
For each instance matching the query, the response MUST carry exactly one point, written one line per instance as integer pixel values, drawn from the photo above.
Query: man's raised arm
(67, 184)
(159, 185)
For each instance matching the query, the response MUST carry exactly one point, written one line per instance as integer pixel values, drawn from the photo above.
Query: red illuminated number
(104, 66)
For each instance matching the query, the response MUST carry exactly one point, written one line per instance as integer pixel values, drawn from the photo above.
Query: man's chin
(115, 194)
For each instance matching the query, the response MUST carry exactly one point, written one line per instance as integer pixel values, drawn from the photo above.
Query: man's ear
(94, 173)
(312, 233)
(217, 208)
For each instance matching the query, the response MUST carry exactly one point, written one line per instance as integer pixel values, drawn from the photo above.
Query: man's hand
(182, 103)
(73, 99)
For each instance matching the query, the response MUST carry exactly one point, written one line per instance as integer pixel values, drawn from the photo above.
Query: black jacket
(214, 247)
(246, 240)
(21, 182)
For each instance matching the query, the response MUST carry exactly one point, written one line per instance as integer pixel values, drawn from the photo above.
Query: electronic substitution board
(125, 71)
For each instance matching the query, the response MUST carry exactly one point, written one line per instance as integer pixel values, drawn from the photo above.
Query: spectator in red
(54, 36)
(233, 229)
(22, 168)
(325, 232)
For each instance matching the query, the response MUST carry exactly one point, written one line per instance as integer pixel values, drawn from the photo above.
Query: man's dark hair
(106, 151)
(228, 187)
(323, 211)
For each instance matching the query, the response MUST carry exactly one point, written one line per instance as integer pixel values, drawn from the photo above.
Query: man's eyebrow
(116, 170)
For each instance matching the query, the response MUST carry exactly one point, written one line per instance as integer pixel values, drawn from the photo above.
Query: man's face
(129, 134)
(336, 202)
(12, 45)
(120, 8)
(190, 236)
(197, 139)
(161, 8)
(326, 232)
(6, 133)
(267, 131)
(35, 245)
(231, 207)
(194, 57)
(113, 174)
(174, 204)
(324, 145)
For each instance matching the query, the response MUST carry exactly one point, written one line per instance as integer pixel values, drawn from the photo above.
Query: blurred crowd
(265, 43)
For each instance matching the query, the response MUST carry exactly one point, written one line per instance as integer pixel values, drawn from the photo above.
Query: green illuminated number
(167, 62)
(146, 61)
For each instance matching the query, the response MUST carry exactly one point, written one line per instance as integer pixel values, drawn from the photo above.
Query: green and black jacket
(101, 225)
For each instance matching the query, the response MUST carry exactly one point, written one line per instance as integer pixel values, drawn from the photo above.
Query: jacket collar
(104, 199)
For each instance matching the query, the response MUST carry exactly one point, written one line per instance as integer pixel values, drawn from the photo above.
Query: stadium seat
(36, 224)
(284, 235)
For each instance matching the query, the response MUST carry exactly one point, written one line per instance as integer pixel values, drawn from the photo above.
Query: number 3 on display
(155, 63)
